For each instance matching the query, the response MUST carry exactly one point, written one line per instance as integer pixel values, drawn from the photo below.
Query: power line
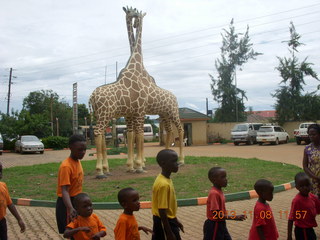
(281, 30)
(192, 32)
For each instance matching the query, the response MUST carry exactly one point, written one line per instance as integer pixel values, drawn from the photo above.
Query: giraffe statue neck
(137, 49)
(130, 32)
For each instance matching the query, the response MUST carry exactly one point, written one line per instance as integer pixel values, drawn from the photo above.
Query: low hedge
(55, 142)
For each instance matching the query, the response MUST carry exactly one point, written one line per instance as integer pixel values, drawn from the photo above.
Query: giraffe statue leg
(168, 139)
(130, 136)
(98, 141)
(139, 159)
(181, 146)
(105, 164)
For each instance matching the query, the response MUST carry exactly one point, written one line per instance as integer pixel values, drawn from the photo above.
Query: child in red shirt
(127, 227)
(215, 226)
(263, 224)
(304, 208)
(6, 202)
(86, 225)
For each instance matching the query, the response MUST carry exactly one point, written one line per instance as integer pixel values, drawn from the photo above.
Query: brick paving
(41, 223)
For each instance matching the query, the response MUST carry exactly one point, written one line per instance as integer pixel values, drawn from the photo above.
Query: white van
(147, 132)
(245, 133)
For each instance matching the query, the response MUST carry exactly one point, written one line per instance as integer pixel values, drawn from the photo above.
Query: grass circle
(40, 181)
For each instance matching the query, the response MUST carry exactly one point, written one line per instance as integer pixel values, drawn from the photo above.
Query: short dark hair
(262, 185)
(300, 175)
(163, 154)
(213, 172)
(78, 198)
(314, 126)
(122, 194)
(76, 138)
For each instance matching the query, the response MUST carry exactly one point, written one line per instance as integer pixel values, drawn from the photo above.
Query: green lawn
(39, 181)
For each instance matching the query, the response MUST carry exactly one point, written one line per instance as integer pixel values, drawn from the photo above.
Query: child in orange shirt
(86, 225)
(127, 227)
(5, 201)
(70, 179)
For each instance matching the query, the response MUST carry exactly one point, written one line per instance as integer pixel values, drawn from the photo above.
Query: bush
(8, 145)
(116, 151)
(55, 142)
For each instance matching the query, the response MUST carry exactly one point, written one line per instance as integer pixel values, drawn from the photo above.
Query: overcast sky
(53, 44)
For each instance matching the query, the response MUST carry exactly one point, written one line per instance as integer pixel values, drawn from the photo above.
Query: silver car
(29, 143)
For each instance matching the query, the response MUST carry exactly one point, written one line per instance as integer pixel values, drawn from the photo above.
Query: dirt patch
(119, 173)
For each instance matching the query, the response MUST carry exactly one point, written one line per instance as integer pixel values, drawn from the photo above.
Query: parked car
(29, 143)
(301, 134)
(245, 133)
(1, 144)
(272, 134)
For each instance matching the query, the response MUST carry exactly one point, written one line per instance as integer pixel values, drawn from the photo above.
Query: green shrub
(115, 151)
(55, 142)
(8, 145)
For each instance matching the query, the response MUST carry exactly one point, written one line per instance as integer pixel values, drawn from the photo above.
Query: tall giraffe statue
(160, 101)
(132, 96)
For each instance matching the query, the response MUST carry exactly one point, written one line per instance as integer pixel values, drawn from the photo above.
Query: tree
(235, 52)
(47, 103)
(290, 104)
(83, 113)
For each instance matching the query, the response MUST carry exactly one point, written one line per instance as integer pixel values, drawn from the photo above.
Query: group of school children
(76, 220)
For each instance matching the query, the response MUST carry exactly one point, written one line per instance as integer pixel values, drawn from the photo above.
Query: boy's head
(303, 183)
(83, 205)
(78, 146)
(129, 199)
(264, 189)
(168, 160)
(0, 170)
(218, 177)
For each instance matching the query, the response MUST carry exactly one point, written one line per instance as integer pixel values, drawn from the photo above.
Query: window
(277, 129)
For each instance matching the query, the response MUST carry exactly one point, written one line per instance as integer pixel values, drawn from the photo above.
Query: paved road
(41, 223)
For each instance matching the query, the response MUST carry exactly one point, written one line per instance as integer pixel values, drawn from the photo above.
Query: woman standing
(311, 158)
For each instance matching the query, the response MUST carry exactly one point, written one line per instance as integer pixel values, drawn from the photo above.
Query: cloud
(52, 44)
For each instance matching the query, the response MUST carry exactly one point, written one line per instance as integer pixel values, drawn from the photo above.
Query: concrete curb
(230, 197)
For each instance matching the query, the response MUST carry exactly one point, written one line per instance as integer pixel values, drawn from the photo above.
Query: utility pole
(51, 113)
(75, 108)
(57, 119)
(116, 70)
(207, 106)
(9, 91)
(105, 75)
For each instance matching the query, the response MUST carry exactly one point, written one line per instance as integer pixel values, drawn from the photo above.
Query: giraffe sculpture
(132, 96)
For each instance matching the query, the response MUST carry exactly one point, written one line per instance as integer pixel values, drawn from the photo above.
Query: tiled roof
(267, 114)
(187, 113)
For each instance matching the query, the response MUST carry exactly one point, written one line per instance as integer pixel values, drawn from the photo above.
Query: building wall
(220, 130)
(199, 132)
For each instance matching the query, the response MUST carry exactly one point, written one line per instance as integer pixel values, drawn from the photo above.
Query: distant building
(261, 116)
(195, 127)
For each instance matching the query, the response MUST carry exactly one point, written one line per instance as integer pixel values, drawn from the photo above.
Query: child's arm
(69, 232)
(290, 224)
(180, 225)
(99, 235)
(164, 219)
(67, 202)
(145, 229)
(241, 217)
(15, 213)
(260, 233)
